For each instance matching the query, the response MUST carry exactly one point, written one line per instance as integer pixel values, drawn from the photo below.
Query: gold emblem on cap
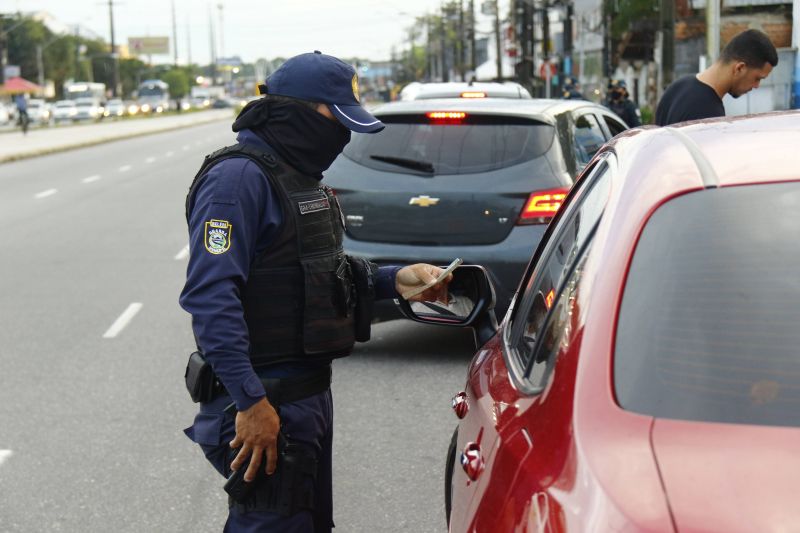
(355, 88)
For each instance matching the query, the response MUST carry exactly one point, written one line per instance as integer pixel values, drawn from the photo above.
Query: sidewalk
(14, 145)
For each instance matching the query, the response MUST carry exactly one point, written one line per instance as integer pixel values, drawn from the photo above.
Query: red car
(647, 374)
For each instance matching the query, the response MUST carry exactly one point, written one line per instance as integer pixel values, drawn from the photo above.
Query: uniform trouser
(308, 422)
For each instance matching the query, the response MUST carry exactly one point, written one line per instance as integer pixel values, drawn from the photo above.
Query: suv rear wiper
(422, 166)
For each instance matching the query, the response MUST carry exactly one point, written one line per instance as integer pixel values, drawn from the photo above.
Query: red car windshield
(709, 327)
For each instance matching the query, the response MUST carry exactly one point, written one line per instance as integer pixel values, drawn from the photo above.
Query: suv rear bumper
(505, 261)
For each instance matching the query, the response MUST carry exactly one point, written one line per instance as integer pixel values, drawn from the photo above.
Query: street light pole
(114, 68)
(498, 39)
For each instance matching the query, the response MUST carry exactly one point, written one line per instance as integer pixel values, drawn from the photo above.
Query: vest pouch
(328, 310)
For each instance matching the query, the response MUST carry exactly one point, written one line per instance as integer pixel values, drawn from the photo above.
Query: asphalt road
(91, 414)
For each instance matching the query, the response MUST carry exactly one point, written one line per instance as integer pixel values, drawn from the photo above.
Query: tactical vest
(299, 298)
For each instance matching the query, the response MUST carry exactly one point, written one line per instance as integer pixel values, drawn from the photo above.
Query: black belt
(294, 388)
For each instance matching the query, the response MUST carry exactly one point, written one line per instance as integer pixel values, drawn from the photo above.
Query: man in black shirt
(742, 65)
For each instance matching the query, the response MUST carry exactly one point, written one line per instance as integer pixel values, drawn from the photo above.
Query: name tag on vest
(312, 206)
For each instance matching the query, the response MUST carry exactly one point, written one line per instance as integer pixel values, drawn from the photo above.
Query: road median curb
(101, 140)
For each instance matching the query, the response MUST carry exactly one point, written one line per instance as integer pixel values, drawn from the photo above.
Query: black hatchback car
(472, 178)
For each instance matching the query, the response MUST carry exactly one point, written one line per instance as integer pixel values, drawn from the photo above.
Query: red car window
(708, 327)
(567, 244)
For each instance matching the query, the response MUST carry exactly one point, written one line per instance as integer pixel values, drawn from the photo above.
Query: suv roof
(422, 91)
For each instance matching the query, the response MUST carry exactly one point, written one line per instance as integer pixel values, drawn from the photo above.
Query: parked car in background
(5, 117)
(39, 111)
(114, 108)
(200, 102)
(426, 91)
(64, 111)
(153, 96)
(88, 109)
(647, 376)
(476, 178)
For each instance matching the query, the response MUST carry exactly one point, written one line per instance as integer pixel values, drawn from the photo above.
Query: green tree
(625, 13)
(178, 82)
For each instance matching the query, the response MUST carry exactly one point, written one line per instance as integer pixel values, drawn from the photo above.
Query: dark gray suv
(472, 178)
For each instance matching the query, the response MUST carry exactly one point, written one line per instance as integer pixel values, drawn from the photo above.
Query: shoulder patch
(218, 236)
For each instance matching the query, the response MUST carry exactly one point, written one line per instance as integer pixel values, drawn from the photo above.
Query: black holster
(201, 382)
(287, 491)
(364, 273)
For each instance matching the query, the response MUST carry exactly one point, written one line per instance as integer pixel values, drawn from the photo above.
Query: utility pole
(188, 40)
(211, 41)
(712, 30)
(498, 41)
(567, 63)
(461, 39)
(114, 68)
(472, 36)
(668, 40)
(796, 46)
(174, 36)
(443, 46)
(40, 65)
(221, 31)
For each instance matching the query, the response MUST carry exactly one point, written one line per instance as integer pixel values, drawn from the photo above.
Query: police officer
(572, 89)
(274, 299)
(617, 101)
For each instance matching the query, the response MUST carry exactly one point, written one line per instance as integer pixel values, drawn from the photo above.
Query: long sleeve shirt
(237, 192)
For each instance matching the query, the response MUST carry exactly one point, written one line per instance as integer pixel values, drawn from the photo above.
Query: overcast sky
(252, 28)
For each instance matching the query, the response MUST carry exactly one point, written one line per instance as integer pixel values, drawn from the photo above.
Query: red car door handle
(460, 405)
(471, 460)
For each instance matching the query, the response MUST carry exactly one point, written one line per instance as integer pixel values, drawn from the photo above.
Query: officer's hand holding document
(425, 283)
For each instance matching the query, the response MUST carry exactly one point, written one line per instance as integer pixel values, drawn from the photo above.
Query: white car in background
(114, 108)
(5, 116)
(64, 111)
(39, 111)
(88, 109)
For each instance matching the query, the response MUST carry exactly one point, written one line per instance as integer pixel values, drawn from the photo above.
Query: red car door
(516, 431)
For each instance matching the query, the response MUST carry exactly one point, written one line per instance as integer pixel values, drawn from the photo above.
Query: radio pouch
(364, 273)
(200, 379)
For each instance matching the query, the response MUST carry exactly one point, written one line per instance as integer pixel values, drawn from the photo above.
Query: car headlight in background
(133, 109)
(145, 108)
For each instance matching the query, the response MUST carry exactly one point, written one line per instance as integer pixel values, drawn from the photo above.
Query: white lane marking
(185, 146)
(90, 179)
(123, 320)
(5, 454)
(149, 159)
(124, 168)
(183, 254)
(169, 154)
(45, 194)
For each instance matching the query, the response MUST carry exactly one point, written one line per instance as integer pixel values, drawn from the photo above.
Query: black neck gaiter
(306, 139)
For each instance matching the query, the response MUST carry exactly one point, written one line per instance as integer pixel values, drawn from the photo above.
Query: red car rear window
(709, 327)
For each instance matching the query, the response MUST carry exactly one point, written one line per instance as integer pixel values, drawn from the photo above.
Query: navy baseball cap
(316, 77)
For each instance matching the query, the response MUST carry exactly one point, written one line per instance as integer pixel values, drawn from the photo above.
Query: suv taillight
(542, 206)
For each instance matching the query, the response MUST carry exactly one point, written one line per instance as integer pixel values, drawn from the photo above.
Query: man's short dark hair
(751, 47)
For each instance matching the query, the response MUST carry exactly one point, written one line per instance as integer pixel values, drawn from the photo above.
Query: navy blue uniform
(236, 191)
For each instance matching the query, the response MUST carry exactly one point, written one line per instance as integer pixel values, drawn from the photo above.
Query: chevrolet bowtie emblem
(423, 201)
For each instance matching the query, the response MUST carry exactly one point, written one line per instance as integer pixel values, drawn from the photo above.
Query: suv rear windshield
(709, 327)
(477, 144)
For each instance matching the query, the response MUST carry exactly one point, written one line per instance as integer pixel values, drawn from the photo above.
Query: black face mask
(305, 138)
(616, 95)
